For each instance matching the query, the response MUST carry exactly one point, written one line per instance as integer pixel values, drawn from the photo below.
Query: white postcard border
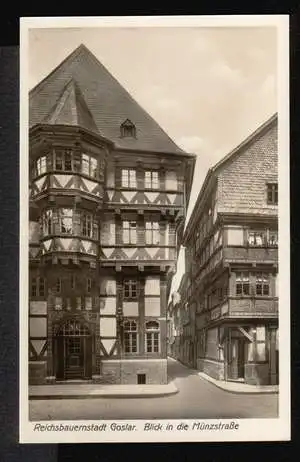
(249, 429)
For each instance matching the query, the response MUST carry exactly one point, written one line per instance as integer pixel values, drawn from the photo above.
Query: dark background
(10, 450)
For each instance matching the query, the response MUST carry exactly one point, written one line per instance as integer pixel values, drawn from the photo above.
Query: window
(272, 193)
(152, 233)
(87, 225)
(273, 238)
(88, 303)
(130, 288)
(78, 303)
(262, 284)
(41, 165)
(47, 222)
(256, 238)
(128, 129)
(58, 303)
(65, 218)
(89, 165)
(151, 180)
(63, 160)
(37, 287)
(73, 282)
(129, 232)
(152, 337)
(130, 336)
(58, 285)
(242, 284)
(128, 178)
(88, 285)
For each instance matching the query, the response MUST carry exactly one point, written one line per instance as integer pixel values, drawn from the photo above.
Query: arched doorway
(73, 351)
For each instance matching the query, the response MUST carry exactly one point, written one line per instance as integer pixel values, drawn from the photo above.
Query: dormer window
(128, 129)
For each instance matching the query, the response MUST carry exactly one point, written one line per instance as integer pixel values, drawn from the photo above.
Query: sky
(208, 87)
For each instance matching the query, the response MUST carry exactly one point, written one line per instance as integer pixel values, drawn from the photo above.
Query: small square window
(272, 193)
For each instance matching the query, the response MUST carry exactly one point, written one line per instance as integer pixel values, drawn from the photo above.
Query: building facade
(108, 194)
(231, 245)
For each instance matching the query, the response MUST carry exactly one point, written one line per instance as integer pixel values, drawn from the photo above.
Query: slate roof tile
(82, 89)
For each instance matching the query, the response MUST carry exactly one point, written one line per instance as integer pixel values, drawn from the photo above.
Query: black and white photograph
(154, 224)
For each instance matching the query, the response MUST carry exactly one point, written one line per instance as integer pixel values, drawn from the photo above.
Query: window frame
(62, 155)
(131, 336)
(127, 226)
(262, 279)
(90, 170)
(47, 222)
(130, 289)
(152, 229)
(41, 165)
(152, 183)
(62, 216)
(128, 178)
(272, 189)
(242, 282)
(39, 283)
(87, 225)
(152, 337)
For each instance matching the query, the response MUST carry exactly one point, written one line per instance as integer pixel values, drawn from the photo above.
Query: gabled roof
(81, 89)
(217, 168)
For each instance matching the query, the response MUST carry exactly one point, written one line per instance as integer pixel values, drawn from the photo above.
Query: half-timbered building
(108, 194)
(232, 264)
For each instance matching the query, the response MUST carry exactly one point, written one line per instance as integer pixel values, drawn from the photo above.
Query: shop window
(130, 336)
(242, 284)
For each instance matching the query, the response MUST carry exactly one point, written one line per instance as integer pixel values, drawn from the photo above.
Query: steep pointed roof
(71, 109)
(81, 89)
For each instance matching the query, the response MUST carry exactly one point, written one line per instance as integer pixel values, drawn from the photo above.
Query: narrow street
(196, 399)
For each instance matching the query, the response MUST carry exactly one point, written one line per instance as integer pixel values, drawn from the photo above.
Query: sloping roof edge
(213, 171)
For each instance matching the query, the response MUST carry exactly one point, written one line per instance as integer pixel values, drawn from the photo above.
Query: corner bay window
(130, 336)
(63, 161)
(130, 288)
(152, 233)
(65, 219)
(129, 232)
(152, 337)
(151, 180)
(88, 165)
(128, 179)
(41, 165)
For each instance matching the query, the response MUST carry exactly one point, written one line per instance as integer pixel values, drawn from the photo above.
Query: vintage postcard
(154, 224)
